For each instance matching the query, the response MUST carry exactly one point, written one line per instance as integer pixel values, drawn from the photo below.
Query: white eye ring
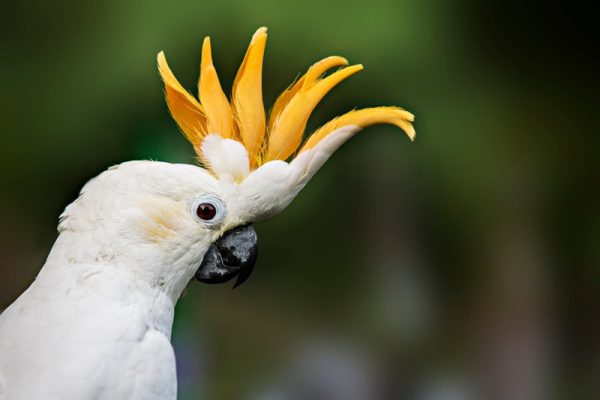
(213, 212)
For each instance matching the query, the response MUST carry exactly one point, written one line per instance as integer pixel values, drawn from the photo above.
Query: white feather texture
(88, 332)
(96, 322)
(269, 189)
(227, 158)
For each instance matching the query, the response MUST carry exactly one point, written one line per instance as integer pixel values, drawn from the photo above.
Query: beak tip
(236, 285)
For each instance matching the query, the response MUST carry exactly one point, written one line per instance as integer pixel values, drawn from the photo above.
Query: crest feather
(364, 118)
(218, 111)
(288, 129)
(242, 140)
(314, 72)
(247, 96)
(225, 157)
(185, 109)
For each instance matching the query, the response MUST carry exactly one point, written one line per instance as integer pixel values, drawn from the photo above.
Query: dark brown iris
(206, 211)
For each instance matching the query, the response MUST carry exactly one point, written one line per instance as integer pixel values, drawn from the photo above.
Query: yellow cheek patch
(161, 219)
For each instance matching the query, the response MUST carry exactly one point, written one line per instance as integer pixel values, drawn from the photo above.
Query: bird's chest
(93, 340)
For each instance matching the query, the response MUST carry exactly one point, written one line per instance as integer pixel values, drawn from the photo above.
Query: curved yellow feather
(288, 129)
(185, 109)
(320, 67)
(213, 99)
(314, 72)
(247, 98)
(244, 118)
(364, 118)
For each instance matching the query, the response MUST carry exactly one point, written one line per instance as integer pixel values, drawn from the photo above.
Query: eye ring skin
(221, 210)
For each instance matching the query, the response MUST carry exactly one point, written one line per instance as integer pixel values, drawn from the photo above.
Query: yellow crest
(243, 117)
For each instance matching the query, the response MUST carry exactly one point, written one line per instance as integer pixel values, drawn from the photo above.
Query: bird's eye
(208, 209)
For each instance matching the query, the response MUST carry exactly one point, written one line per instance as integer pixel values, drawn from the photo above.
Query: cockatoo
(96, 322)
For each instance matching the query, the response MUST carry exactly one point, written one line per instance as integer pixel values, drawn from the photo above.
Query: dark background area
(462, 266)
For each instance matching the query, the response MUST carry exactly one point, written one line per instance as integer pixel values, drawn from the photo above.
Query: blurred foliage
(470, 256)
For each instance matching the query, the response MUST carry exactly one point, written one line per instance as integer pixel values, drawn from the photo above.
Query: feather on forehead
(239, 125)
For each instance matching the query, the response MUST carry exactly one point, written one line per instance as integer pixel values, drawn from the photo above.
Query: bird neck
(68, 271)
(145, 264)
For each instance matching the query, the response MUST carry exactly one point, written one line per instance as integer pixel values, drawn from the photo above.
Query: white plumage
(96, 323)
(88, 332)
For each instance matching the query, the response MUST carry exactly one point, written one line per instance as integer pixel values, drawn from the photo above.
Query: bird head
(185, 220)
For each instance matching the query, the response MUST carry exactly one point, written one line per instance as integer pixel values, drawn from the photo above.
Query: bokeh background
(462, 266)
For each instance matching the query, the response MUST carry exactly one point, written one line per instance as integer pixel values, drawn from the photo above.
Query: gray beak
(233, 254)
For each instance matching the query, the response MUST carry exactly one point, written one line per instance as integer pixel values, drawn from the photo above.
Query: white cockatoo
(96, 322)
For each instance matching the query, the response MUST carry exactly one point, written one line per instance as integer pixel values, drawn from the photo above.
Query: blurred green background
(461, 266)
